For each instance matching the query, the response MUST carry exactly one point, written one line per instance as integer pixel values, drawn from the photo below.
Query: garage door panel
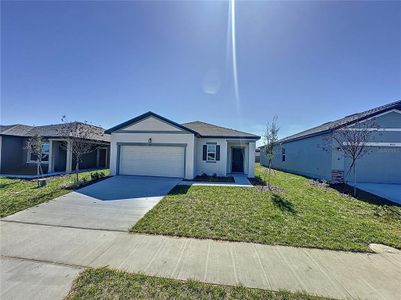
(165, 161)
(378, 165)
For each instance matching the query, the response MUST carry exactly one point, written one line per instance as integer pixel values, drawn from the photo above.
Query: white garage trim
(373, 129)
(372, 144)
(150, 145)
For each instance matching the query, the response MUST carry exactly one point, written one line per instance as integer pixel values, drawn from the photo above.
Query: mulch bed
(261, 186)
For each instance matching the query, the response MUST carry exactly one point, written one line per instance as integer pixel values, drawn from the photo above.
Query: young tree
(79, 138)
(270, 138)
(352, 142)
(35, 146)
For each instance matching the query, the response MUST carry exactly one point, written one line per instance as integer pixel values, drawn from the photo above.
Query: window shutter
(204, 152)
(217, 152)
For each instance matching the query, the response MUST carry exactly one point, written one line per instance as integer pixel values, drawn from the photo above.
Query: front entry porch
(61, 157)
(239, 157)
(237, 160)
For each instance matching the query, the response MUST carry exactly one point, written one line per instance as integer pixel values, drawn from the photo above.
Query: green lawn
(303, 215)
(16, 194)
(104, 283)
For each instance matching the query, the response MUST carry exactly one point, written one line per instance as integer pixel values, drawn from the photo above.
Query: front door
(102, 158)
(237, 160)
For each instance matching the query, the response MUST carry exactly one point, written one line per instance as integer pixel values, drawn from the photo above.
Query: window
(211, 152)
(282, 154)
(45, 155)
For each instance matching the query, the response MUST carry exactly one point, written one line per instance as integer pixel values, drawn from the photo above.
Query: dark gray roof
(213, 131)
(16, 129)
(348, 120)
(198, 128)
(51, 131)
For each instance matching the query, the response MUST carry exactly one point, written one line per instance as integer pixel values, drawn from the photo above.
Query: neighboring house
(314, 154)
(152, 145)
(257, 155)
(16, 159)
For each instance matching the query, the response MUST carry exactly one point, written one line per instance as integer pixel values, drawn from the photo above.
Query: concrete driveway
(391, 192)
(114, 204)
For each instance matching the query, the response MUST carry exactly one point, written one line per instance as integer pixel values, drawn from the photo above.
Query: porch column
(251, 159)
(1, 141)
(223, 150)
(97, 157)
(107, 157)
(68, 167)
(51, 158)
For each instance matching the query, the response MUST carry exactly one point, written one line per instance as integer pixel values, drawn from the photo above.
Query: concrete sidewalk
(27, 279)
(115, 203)
(327, 273)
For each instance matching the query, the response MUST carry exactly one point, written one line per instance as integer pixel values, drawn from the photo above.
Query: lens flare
(234, 53)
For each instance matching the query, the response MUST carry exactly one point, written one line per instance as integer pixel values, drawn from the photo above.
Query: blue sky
(106, 62)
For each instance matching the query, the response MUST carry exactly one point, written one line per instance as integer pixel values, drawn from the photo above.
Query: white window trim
(29, 160)
(207, 152)
(377, 144)
(373, 129)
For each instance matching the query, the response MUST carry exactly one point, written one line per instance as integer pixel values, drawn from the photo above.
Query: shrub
(97, 175)
(387, 211)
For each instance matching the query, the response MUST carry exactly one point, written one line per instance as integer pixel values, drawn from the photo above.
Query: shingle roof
(50, 131)
(210, 130)
(16, 129)
(348, 120)
(198, 128)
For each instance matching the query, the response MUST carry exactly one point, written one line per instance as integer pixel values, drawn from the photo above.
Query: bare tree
(352, 141)
(79, 139)
(34, 146)
(270, 138)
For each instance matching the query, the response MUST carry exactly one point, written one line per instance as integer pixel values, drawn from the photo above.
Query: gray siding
(60, 156)
(378, 165)
(381, 163)
(14, 157)
(12, 154)
(88, 161)
(390, 120)
(310, 157)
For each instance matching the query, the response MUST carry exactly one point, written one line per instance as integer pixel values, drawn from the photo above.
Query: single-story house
(314, 153)
(16, 159)
(152, 145)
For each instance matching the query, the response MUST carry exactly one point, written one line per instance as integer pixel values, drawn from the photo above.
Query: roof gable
(149, 122)
(388, 119)
(346, 121)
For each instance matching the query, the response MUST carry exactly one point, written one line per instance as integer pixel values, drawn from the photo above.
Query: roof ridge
(211, 130)
(215, 126)
(343, 121)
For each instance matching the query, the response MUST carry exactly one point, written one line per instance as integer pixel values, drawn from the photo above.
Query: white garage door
(378, 165)
(152, 161)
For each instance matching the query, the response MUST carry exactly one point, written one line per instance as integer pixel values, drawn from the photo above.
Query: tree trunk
(76, 170)
(37, 172)
(354, 175)
(268, 179)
